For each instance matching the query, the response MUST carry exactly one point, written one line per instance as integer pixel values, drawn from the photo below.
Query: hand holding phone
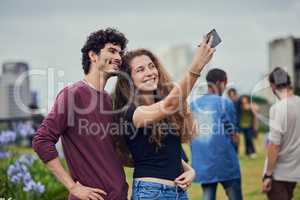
(202, 56)
(216, 38)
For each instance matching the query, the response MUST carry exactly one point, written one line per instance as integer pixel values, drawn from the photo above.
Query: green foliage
(53, 189)
(263, 128)
(251, 177)
(259, 100)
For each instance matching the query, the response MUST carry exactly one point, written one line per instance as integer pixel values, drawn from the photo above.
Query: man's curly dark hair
(97, 40)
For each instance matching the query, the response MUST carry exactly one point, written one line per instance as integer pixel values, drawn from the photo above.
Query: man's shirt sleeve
(277, 123)
(51, 128)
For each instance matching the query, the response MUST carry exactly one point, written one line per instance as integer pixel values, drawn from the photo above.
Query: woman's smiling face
(144, 73)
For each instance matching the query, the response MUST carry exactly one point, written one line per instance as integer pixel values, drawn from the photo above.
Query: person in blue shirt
(213, 155)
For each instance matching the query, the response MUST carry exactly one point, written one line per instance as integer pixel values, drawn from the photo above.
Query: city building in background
(9, 93)
(177, 60)
(285, 53)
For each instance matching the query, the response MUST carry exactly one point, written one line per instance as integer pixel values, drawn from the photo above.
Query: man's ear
(219, 83)
(92, 56)
(273, 87)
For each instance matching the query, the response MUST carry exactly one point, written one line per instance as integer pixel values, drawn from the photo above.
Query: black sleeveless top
(150, 160)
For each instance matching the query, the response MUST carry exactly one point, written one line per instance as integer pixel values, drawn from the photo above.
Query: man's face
(109, 59)
(232, 95)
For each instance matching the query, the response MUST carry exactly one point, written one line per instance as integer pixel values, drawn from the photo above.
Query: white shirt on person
(285, 131)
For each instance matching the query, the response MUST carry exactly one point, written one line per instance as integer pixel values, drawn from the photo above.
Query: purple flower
(24, 129)
(4, 154)
(13, 169)
(27, 159)
(29, 186)
(39, 187)
(7, 137)
(18, 173)
(16, 178)
(35, 187)
(26, 177)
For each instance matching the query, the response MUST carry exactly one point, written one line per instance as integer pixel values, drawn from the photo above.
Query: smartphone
(216, 38)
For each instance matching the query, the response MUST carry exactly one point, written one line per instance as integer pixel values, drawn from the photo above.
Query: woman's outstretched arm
(148, 114)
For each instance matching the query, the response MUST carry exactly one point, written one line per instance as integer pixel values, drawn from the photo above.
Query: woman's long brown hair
(125, 92)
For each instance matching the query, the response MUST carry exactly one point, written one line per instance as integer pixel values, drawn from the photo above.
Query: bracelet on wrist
(194, 73)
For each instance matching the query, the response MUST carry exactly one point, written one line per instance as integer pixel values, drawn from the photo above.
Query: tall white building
(177, 60)
(285, 53)
(14, 95)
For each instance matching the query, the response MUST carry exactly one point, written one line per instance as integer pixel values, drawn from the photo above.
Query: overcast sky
(51, 33)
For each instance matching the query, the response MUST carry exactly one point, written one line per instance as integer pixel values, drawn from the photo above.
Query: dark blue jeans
(249, 135)
(232, 188)
(148, 190)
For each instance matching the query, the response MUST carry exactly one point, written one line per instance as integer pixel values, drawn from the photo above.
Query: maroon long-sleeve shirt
(82, 118)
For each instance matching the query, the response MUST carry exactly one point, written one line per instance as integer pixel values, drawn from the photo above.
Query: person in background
(282, 166)
(247, 124)
(233, 96)
(213, 155)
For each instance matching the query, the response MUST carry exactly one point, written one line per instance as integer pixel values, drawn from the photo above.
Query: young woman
(156, 121)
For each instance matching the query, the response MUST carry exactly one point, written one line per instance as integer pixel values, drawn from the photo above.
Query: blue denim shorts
(149, 190)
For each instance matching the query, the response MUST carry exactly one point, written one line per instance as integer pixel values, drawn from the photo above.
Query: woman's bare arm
(148, 114)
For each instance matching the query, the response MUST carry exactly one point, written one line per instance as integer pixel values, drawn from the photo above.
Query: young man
(282, 167)
(82, 118)
(213, 155)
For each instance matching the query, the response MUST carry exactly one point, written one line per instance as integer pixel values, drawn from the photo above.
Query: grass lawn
(251, 175)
